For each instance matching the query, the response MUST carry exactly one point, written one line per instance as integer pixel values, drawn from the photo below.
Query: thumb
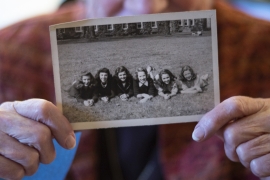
(229, 110)
(45, 112)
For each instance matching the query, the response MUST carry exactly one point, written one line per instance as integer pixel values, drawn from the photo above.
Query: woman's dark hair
(92, 79)
(122, 69)
(186, 68)
(140, 70)
(165, 71)
(103, 70)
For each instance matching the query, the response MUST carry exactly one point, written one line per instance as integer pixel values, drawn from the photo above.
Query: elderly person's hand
(243, 124)
(107, 8)
(26, 132)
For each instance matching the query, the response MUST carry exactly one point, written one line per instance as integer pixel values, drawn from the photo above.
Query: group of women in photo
(144, 85)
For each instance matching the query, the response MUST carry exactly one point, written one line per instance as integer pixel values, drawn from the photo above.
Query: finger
(244, 130)
(10, 170)
(231, 152)
(24, 155)
(29, 132)
(230, 109)
(261, 166)
(45, 112)
(253, 149)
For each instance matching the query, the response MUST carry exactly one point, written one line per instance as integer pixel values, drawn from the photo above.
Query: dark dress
(107, 90)
(150, 89)
(120, 89)
(81, 92)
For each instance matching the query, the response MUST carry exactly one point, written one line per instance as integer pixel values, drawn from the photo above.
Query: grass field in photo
(161, 52)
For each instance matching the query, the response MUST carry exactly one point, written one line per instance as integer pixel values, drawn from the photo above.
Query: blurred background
(257, 8)
(12, 11)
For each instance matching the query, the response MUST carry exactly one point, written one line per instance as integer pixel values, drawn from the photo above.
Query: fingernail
(198, 134)
(70, 142)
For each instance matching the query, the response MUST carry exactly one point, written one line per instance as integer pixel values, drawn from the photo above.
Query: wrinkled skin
(26, 132)
(243, 124)
(27, 127)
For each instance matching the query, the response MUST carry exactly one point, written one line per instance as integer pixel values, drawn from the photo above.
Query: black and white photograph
(137, 70)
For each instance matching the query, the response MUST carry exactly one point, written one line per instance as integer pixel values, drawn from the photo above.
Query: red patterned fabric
(244, 64)
(26, 72)
(25, 56)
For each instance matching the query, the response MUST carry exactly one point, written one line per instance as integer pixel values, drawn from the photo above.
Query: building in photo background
(183, 26)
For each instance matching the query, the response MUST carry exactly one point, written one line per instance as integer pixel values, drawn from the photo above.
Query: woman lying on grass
(143, 86)
(84, 90)
(191, 82)
(165, 84)
(123, 83)
(105, 87)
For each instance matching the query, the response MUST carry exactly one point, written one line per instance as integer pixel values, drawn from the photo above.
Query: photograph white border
(142, 18)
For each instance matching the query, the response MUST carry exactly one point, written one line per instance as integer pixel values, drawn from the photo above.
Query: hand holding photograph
(137, 70)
